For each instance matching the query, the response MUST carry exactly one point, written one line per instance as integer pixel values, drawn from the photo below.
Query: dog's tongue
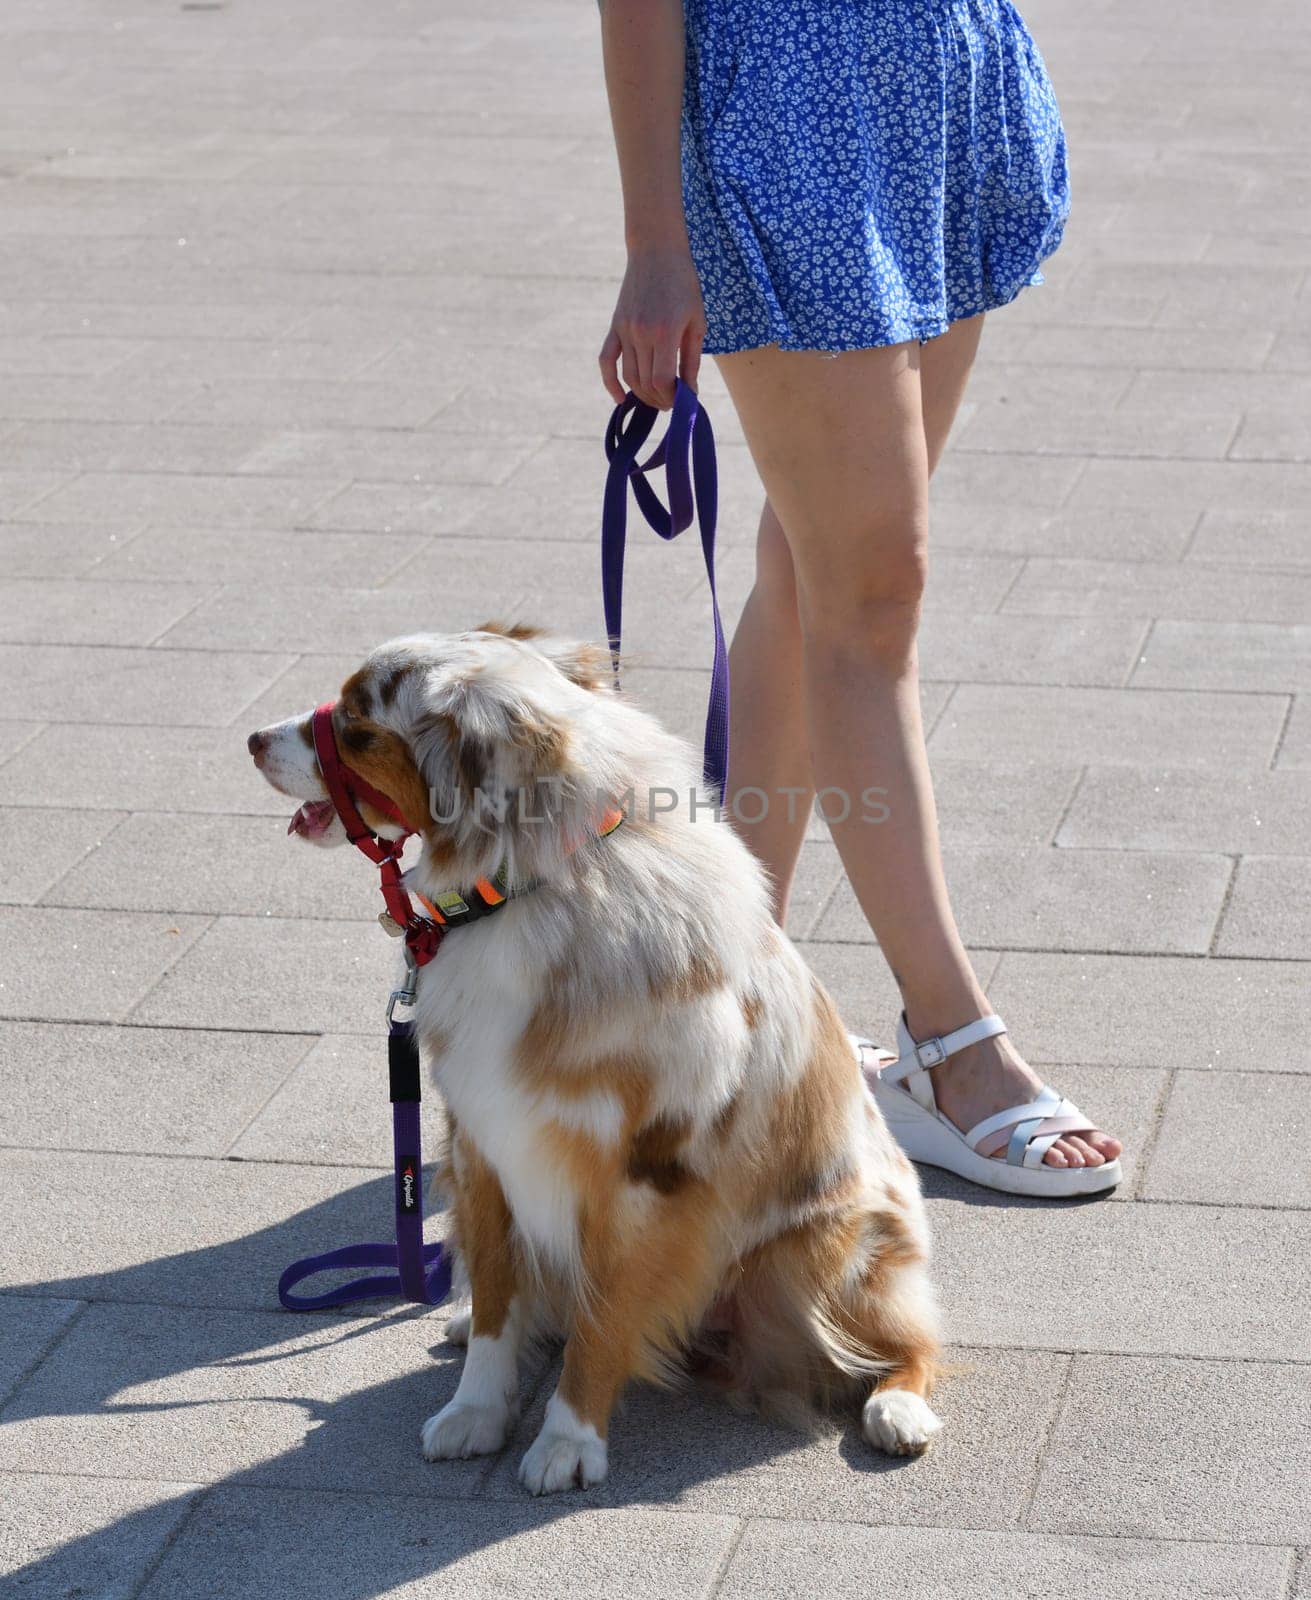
(312, 819)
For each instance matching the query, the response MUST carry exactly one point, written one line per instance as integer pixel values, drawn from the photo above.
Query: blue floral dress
(863, 172)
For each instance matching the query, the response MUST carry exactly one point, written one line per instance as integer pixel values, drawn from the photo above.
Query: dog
(660, 1143)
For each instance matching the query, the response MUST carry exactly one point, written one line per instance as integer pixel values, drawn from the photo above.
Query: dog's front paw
(460, 1430)
(568, 1453)
(899, 1422)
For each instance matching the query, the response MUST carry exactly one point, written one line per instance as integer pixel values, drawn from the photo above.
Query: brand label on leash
(407, 1184)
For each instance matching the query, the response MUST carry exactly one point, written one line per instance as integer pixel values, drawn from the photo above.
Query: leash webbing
(693, 495)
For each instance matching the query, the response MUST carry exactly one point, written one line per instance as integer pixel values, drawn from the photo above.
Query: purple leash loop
(693, 494)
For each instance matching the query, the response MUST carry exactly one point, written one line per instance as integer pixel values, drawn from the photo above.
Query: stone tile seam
(1080, 775)
(226, 1153)
(203, 598)
(1147, 1152)
(1281, 738)
(580, 1502)
(207, 920)
(46, 1350)
(1024, 949)
(1021, 568)
(1049, 1434)
(726, 1555)
(1300, 1562)
(49, 888)
(193, 1503)
(1139, 652)
(1226, 900)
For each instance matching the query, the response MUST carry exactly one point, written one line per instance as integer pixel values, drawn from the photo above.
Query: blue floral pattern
(863, 172)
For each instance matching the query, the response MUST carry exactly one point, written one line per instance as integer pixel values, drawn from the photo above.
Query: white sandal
(904, 1094)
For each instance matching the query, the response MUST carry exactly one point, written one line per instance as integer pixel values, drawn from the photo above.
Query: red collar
(423, 934)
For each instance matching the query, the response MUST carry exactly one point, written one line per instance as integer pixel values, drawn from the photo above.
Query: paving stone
(307, 1401)
(244, 866)
(161, 1091)
(862, 984)
(332, 1110)
(1245, 486)
(1226, 655)
(311, 618)
(402, 508)
(85, 966)
(1126, 534)
(1163, 1011)
(306, 403)
(1269, 913)
(839, 1562)
(1017, 649)
(67, 1535)
(181, 1232)
(1189, 592)
(14, 735)
(38, 611)
(35, 552)
(1069, 900)
(694, 1451)
(1109, 727)
(386, 454)
(253, 1538)
(21, 492)
(132, 447)
(1096, 430)
(247, 556)
(130, 499)
(997, 480)
(1245, 1424)
(1274, 537)
(82, 683)
(139, 769)
(63, 838)
(294, 975)
(1266, 1118)
(28, 1331)
(1151, 809)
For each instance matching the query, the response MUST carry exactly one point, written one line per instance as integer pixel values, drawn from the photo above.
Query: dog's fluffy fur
(661, 1147)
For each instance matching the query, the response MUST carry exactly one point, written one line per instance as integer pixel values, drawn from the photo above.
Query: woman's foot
(990, 1076)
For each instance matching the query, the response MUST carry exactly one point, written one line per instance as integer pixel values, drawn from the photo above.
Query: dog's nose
(257, 743)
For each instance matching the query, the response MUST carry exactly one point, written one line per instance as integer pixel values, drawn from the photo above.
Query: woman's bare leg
(770, 749)
(842, 445)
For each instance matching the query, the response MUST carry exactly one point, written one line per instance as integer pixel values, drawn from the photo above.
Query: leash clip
(405, 995)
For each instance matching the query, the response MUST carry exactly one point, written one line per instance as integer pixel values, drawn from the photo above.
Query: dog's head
(496, 745)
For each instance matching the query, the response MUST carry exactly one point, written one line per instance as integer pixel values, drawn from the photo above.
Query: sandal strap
(912, 1067)
(1034, 1127)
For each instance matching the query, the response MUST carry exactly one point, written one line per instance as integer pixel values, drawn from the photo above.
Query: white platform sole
(925, 1137)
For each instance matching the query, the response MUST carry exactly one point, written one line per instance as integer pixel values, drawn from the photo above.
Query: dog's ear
(482, 750)
(582, 663)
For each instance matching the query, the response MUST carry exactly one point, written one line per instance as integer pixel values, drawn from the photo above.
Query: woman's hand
(658, 327)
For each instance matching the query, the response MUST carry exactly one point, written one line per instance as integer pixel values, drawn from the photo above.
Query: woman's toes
(1106, 1145)
(1055, 1156)
(1091, 1156)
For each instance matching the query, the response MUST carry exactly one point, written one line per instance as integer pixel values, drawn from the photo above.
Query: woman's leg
(770, 751)
(841, 445)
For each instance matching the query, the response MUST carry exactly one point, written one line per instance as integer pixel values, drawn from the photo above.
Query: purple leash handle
(687, 453)
(419, 1272)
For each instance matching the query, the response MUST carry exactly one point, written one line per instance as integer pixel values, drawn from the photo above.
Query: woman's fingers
(609, 360)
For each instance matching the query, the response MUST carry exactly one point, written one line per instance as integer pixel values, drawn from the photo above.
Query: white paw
(459, 1430)
(568, 1453)
(457, 1329)
(899, 1422)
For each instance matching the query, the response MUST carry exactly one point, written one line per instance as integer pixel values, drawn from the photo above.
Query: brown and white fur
(661, 1141)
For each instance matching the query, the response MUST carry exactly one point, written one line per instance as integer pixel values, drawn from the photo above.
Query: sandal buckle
(930, 1052)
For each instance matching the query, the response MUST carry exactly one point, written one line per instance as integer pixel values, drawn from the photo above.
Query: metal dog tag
(389, 925)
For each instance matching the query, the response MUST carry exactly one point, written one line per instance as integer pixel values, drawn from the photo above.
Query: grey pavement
(299, 305)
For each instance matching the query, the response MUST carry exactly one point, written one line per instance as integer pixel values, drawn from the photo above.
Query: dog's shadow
(159, 1391)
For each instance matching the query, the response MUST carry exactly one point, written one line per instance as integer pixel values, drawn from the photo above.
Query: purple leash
(419, 1272)
(692, 494)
